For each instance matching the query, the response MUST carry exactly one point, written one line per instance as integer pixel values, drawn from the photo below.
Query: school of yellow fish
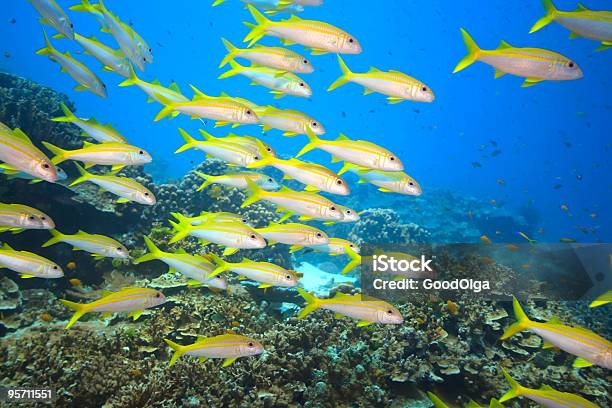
(276, 68)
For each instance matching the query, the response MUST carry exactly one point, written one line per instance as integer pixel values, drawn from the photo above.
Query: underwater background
(491, 157)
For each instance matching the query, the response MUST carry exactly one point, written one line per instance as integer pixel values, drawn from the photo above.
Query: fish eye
(256, 157)
(288, 276)
(150, 50)
(411, 183)
(351, 40)
(389, 311)
(424, 89)
(391, 158)
(46, 165)
(31, 217)
(157, 295)
(339, 182)
(146, 194)
(348, 211)
(319, 234)
(250, 344)
(43, 218)
(141, 152)
(269, 149)
(55, 267)
(71, 25)
(270, 180)
(571, 64)
(244, 220)
(301, 84)
(332, 208)
(248, 112)
(119, 249)
(314, 124)
(305, 61)
(253, 236)
(144, 59)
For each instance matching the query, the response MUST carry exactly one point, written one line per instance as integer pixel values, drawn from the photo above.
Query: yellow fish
(91, 127)
(387, 181)
(545, 396)
(291, 121)
(54, 16)
(397, 86)
(155, 91)
(589, 347)
(533, 64)
(130, 300)
(294, 234)
(238, 180)
(317, 35)
(17, 217)
(227, 346)
(206, 216)
(582, 22)
(28, 264)
(365, 309)
(236, 150)
(20, 155)
(112, 60)
(99, 246)
(279, 58)
(113, 154)
(265, 273)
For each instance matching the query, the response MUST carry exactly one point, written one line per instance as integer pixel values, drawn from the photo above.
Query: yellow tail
(85, 175)
(56, 237)
(344, 78)
(521, 324)
(154, 252)
(208, 180)
(58, 152)
(312, 303)
(255, 193)
(516, 389)
(551, 13)
(68, 116)
(257, 30)
(313, 143)
(236, 69)
(132, 80)
(190, 142)
(231, 52)
(79, 309)
(473, 52)
(178, 351)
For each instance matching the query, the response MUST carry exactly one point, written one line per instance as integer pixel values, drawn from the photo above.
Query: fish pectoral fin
(122, 200)
(294, 248)
(287, 42)
(548, 345)
(135, 314)
(204, 242)
(97, 257)
(393, 100)
(229, 361)
(334, 159)
(385, 190)
(241, 278)
(499, 73)
(581, 363)
(221, 123)
(311, 188)
(367, 91)
(117, 167)
(318, 51)
(531, 82)
(193, 283)
(26, 276)
(286, 216)
(264, 286)
(364, 323)
(229, 251)
(106, 315)
(290, 134)
(305, 218)
(79, 88)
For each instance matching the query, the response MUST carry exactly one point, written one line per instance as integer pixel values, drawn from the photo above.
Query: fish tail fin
(58, 152)
(68, 116)
(548, 18)
(85, 175)
(231, 52)
(55, 238)
(258, 30)
(266, 158)
(217, 2)
(85, 6)
(522, 321)
(313, 143)
(189, 141)
(222, 265)
(236, 69)
(255, 193)
(48, 48)
(473, 52)
(154, 252)
(516, 389)
(182, 231)
(165, 111)
(79, 311)
(178, 351)
(312, 303)
(344, 78)
(133, 78)
(208, 180)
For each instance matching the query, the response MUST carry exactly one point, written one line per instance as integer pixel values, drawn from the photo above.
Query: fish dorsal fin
(224, 95)
(294, 18)
(285, 189)
(156, 82)
(547, 388)
(81, 232)
(180, 251)
(198, 94)
(374, 69)
(88, 144)
(174, 86)
(105, 293)
(7, 247)
(554, 320)
(201, 339)
(503, 44)
(581, 7)
(19, 133)
(342, 136)
(246, 260)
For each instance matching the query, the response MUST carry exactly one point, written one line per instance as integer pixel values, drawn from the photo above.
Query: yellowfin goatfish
(91, 127)
(387, 181)
(589, 347)
(196, 268)
(545, 396)
(126, 188)
(360, 152)
(534, 64)
(87, 80)
(314, 176)
(232, 235)
(319, 36)
(206, 217)
(396, 85)
(222, 148)
(113, 154)
(155, 91)
(219, 108)
(130, 300)
(281, 83)
(266, 273)
(20, 155)
(97, 245)
(54, 16)
(279, 58)
(335, 247)
(227, 346)
(297, 235)
(17, 217)
(308, 206)
(238, 180)
(291, 121)
(28, 264)
(123, 36)
(582, 22)
(144, 50)
(603, 299)
(112, 60)
(365, 309)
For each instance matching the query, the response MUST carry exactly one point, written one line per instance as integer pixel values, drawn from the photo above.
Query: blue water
(553, 134)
